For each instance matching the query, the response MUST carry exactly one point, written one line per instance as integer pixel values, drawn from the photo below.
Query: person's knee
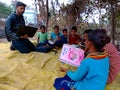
(56, 82)
(22, 49)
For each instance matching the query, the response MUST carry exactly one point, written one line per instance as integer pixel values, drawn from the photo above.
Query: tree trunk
(47, 13)
(113, 21)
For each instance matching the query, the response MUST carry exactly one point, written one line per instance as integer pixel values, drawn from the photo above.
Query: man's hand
(25, 36)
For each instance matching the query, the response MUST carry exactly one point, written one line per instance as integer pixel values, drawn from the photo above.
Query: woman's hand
(63, 69)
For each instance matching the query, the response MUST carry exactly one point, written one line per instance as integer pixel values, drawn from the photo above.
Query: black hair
(56, 26)
(108, 39)
(20, 4)
(64, 30)
(87, 31)
(74, 28)
(98, 39)
(42, 26)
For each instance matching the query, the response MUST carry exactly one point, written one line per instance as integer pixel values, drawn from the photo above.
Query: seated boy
(73, 37)
(55, 38)
(42, 36)
(64, 37)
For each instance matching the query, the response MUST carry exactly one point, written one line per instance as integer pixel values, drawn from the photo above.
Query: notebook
(71, 55)
(30, 31)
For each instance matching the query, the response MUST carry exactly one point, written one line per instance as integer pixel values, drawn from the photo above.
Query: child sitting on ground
(55, 38)
(85, 36)
(42, 42)
(64, 37)
(73, 37)
(114, 56)
(42, 36)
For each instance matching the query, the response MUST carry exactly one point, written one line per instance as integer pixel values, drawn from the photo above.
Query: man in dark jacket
(14, 21)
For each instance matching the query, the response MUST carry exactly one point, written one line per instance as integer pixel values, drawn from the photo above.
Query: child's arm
(69, 41)
(79, 39)
(38, 40)
(38, 37)
(78, 74)
(51, 35)
(47, 37)
(59, 36)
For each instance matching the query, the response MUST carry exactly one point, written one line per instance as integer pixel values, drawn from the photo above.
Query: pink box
(71, 55)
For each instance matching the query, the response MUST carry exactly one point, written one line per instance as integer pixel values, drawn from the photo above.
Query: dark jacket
(13, 22)
(64, 39)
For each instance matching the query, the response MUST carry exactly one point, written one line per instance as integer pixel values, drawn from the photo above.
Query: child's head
(85, 33)
(42, 29)
(56, 29)
(108, 39)
(96, 40)
(73, 30)
(64, 32)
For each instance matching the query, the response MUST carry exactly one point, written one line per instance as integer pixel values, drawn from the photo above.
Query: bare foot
(56, 48)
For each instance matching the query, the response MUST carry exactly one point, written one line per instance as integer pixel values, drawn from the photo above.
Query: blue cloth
(23, 45)
(53, 36)
(42, 44)
(64, 39)
(64, 83)
(91, 74)
(58, 43)
(42, 47)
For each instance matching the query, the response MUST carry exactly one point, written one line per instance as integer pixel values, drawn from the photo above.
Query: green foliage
(4, 10)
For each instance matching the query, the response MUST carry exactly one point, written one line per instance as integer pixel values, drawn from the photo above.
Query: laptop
(71, 55)
(30, 31)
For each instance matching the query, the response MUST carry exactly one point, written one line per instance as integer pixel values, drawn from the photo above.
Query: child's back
(114, 61)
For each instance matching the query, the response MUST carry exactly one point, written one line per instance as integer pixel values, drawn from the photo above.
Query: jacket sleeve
(9, 29)
(79, 73)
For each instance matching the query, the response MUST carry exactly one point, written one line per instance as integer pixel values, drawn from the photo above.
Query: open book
(23, 30)
(71, 55)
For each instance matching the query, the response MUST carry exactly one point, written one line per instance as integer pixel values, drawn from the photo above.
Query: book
(51, 42)
(71, 55)
(23, 30)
